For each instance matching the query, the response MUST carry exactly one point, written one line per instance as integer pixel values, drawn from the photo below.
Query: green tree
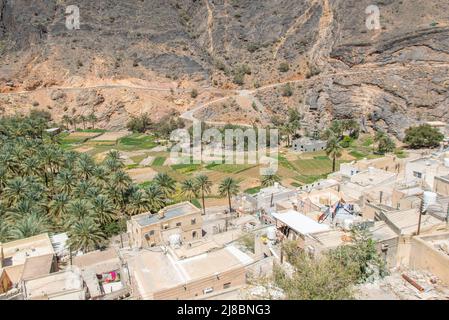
(189, 189)
(384, 142)
(423, 136)
(229, 187)
(270, 178)
(204, 185)
(155, 198)
(85, 235)
(333, 149)
(166, 184)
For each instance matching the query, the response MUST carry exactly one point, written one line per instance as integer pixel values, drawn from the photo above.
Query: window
(151, 232)
(193, 221)
(208, 290)
(417, 174)
(178, 224)
(165, 226)
(194, 234)
(227, 285)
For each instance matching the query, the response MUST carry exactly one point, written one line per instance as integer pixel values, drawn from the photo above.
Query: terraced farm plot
(137, 142)
(159, 161)
(78, 137)
(315, 167)
(230, 168)
(186, 168)
(111, 136)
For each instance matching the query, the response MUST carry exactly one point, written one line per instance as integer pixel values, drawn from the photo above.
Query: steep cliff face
(148, 54)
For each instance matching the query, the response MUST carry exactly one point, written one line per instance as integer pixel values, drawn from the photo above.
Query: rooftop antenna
(422, 210)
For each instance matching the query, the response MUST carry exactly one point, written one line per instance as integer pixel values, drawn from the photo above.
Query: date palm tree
(29, 225)
(270, 178)
(155, 198)
(189, 189)
(166, 184)
(103, 210)
(58, 206)
(333, 149)
(137, 203)
(229, 187)
(204, 185)
(85, 235)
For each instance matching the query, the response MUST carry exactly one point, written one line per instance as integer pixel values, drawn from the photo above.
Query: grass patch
(314, 167)
(358, 154)
(308, 179)
(321, 158)
(186, 168)
(285, 163)
(230, 168)
(368, 141)
(91, 130)
(295, 184)
(137, 142)
(159, 161)
(145, 184)
(401, 154)
(196, 203)
(253, 190)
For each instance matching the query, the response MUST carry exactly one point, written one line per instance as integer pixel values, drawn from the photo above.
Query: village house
(306, 144)
(24, 259)
(182, 219)
(67, 284)
(424, 171)
(103, 273)
(161, 275)
(265, 199)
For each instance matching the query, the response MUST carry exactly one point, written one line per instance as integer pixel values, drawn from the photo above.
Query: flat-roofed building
(441, 185)
(425, 170)
(266, 199)
(102, 271)
(62, 285)
(183, 219)
(293, 225)
(162, 276)
(25, 258)
(308, 145)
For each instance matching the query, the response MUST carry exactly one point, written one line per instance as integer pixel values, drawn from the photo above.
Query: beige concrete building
(424, 171)
(441, 185)
(390, 163)
(183, 219)
(24, 259)
(431, 252)
(102, 272)
(162, 276)
(62, 285)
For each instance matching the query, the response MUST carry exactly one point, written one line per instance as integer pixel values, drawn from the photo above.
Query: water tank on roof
(271, 233)
(430, 198)
(175, 240)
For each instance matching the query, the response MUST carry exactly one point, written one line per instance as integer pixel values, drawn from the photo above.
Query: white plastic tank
(446, 162)
(175, 240)
(271, 233)
(430, 198)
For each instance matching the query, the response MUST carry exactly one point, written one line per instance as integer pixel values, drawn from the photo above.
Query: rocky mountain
(139, 56)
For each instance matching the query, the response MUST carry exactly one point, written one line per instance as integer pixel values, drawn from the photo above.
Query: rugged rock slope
(146, 55)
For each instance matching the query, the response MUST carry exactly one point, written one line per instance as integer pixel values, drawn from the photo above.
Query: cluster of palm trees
(44, 188)
(202, 186)
(80, 119)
